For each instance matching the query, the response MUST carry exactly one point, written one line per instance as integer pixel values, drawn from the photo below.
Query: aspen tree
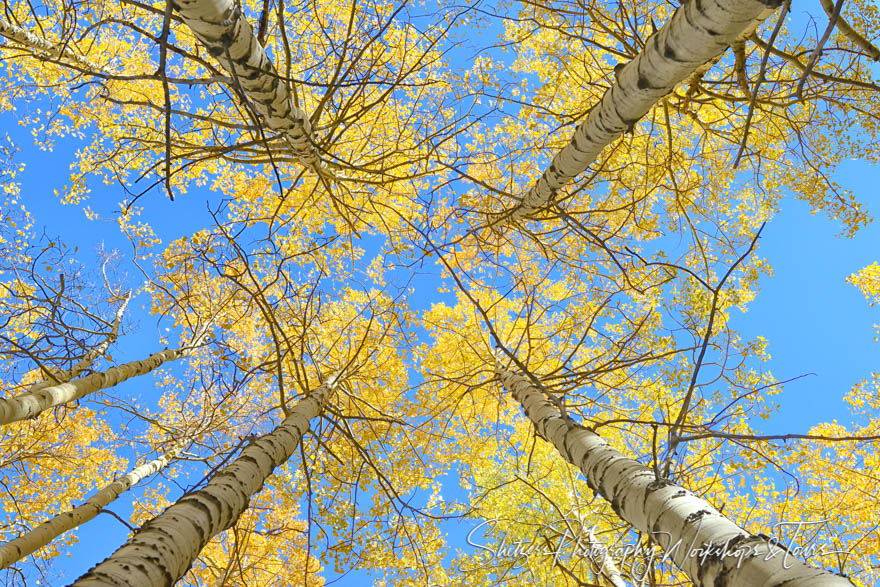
(678, 520)
(90, 356)
(844, 27)
(49, 530)
(163, 550)
(388, 141)
(222, 28)
(607, 567)
(32, 403)
(45, 48)
(699, 31)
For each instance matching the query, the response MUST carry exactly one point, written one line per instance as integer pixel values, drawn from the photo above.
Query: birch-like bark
(41, 45)
(89, 357)
(607, 568)
(706, 546)
(49, 530)
(699, 31)
(33, 403)
(598, 552)
(222, 28)
(164, 548)
(851, 34)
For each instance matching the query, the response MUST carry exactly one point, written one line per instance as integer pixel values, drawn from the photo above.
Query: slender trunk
(89, 357)
(676, 519)
(164, 548)
(607, 568)
(47, 48)
(598, 552)
(33, 403)
(49, 530)
(850, 33)
(699, 31)
(228, 36)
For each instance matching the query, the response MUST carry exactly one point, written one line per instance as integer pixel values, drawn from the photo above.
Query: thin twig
(742, 146)
(817, 52)
(163, 54)
(674, 440)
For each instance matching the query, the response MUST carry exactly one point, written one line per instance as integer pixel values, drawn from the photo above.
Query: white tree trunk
(33, 403)
(225, 32)
(599, 552)
(676, 519)
(50, 50)
(164, 548)
(49, 530)
(699, 31)
(90, 357)
(850, 33)
(607, 568)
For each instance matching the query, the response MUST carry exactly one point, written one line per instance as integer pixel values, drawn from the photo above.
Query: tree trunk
(607, 568)
(89, 357)
(228, 36)
(850, 33)
(684, 525)
(33, 403)
(164, 548)
(699, 31)
(50, 50)
(48, 531)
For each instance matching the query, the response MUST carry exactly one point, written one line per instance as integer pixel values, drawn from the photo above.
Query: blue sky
(813, 320)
